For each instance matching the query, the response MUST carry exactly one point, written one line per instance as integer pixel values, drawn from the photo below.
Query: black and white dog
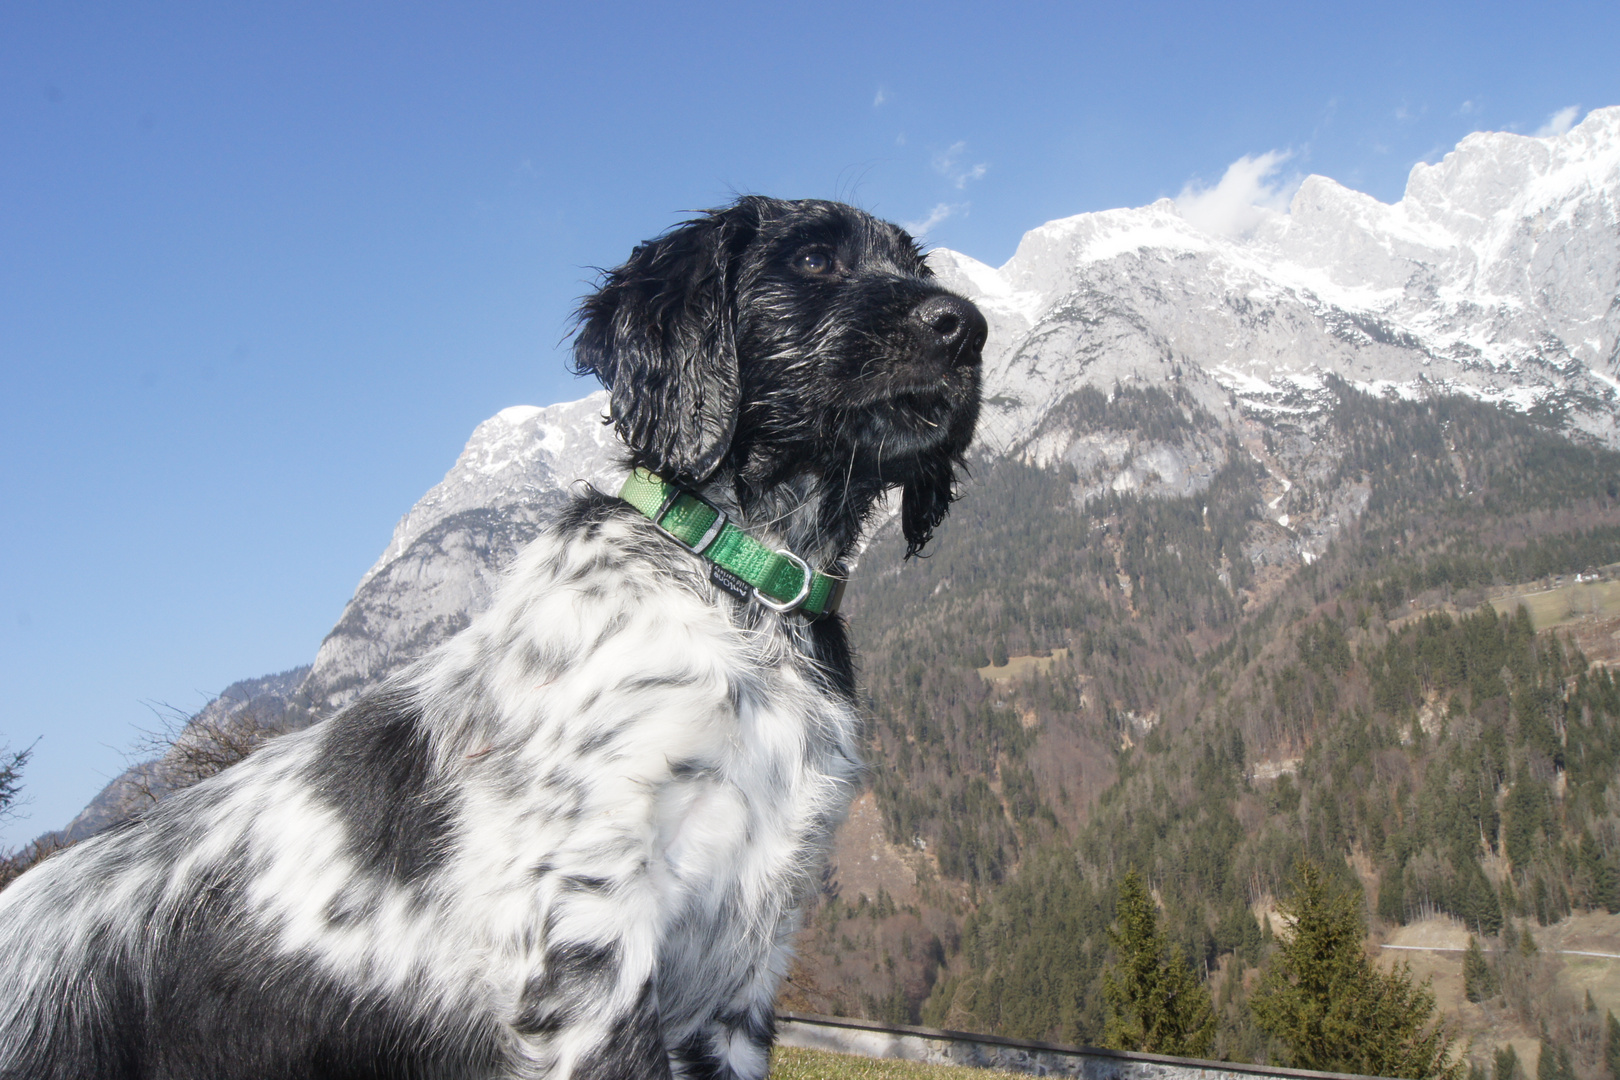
(571, 841)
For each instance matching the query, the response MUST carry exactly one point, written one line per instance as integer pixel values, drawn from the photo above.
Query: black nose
(954, 323)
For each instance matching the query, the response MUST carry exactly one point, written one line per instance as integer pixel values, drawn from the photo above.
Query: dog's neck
(817, 519)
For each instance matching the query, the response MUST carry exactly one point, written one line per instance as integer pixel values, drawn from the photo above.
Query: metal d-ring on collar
(785, 606)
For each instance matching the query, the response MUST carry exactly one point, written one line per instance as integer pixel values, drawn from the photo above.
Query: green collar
(743, 566)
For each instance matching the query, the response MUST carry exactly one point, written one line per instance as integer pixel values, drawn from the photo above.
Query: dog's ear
(926, 498)
(660, 333)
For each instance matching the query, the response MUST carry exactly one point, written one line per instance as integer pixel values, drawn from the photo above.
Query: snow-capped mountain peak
(520, 452)
(1496, 275)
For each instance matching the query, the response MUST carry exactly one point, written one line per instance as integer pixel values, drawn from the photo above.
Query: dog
(571, 841)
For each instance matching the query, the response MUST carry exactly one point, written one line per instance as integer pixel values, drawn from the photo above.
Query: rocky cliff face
(1496, 276)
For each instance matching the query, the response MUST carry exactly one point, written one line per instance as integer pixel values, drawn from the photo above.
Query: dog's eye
(815, 262)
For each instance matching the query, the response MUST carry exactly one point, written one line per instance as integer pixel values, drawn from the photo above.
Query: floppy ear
(660, 333)
(926, 499)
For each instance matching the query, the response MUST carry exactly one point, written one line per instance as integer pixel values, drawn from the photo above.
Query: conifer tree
(1479, 982)
(1553, 1063)
(1611, 1045)
(1331, 1008)
(1155, 1004)
(1507, 1064)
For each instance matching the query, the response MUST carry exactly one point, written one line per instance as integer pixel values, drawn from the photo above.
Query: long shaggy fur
(570, 842)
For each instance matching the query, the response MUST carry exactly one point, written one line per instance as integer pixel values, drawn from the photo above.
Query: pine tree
(1507, 1064)
(1553, 1063)
(1611, 1045)
(1331, 1008)
(1155, 1004)
(1479, 982)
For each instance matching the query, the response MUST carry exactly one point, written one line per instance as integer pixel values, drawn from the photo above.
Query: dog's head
(770, 338)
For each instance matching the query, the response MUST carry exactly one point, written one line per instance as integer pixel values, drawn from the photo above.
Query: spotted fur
(570, 842)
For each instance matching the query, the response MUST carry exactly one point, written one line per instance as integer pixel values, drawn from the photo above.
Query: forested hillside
(1209, 721)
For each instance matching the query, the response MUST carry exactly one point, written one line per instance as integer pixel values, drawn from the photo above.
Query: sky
(263, 268)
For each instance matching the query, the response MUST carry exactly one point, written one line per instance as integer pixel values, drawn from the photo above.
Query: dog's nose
(957, 324)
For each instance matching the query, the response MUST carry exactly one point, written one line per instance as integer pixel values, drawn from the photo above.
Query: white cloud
(939, 213)
(1245, 196)
(880, 98)
(1559, 122)
(949, 165)
(1466, 107)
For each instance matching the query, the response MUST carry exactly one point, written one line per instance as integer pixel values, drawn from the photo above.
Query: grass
(1017, 667)
(791, 1063)
(1557, 607)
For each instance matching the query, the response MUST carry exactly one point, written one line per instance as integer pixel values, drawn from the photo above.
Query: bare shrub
(182, 751)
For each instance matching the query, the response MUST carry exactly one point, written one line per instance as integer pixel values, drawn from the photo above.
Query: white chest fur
(641, 761)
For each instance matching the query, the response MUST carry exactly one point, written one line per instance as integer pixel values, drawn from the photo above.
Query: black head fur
(768, 342)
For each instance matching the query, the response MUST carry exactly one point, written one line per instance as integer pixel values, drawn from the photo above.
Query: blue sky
(264, 267)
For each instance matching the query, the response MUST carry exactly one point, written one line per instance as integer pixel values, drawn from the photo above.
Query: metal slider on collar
(710, 535)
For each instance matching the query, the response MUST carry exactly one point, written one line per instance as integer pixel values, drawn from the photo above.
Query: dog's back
(143, 953)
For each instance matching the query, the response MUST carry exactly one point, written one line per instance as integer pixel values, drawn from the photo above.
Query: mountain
(447, 553)
(1212, 603)
(1062, 693)
(1495, 276)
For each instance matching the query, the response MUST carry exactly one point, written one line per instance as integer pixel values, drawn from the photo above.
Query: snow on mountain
(519, 453)
(448, 551)
(1497, 275)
